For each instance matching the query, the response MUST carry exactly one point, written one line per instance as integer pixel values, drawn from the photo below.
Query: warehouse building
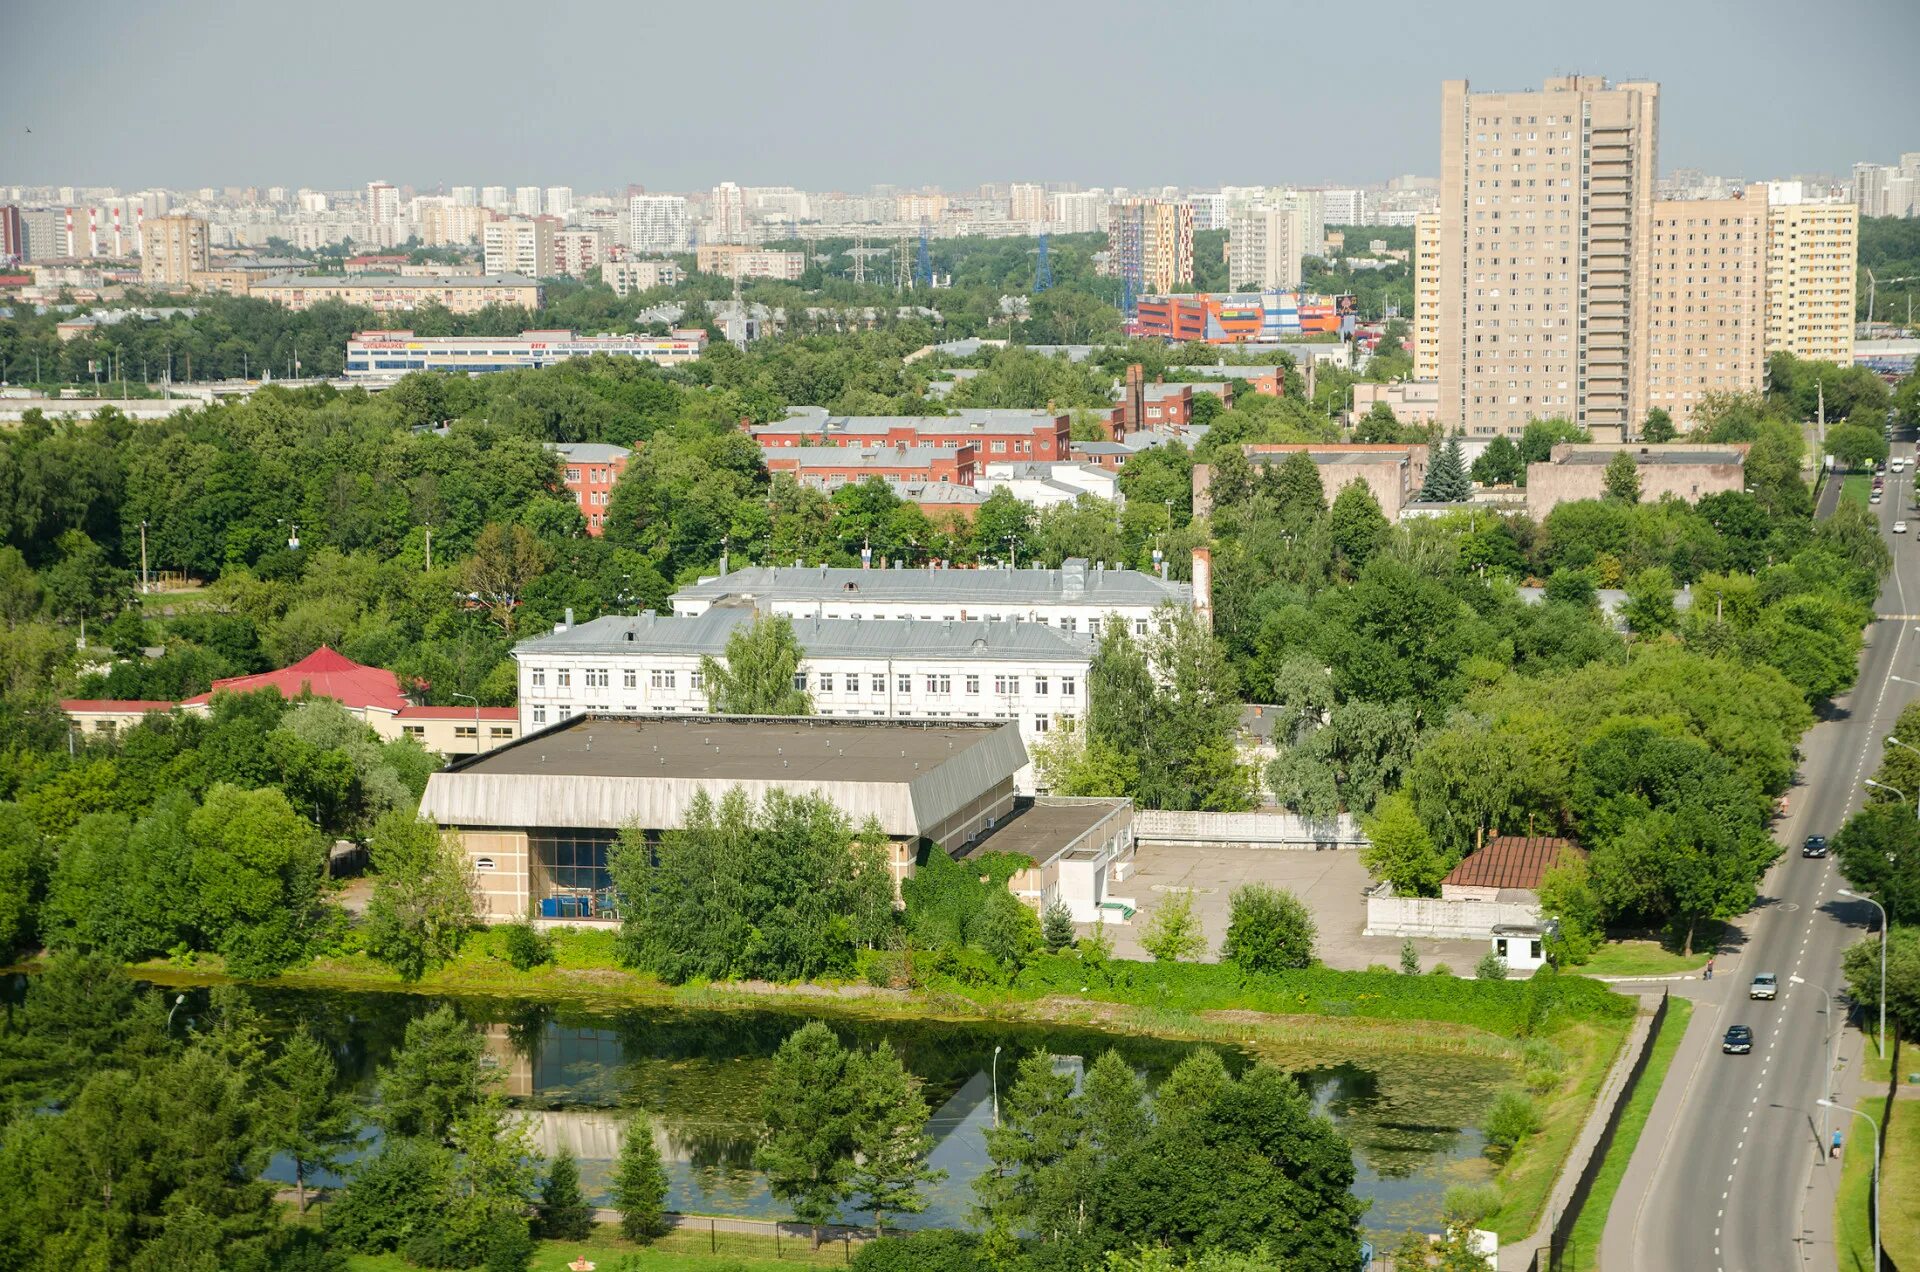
(536, 817)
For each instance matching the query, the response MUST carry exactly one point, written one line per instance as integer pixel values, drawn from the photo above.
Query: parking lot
(1329, 881)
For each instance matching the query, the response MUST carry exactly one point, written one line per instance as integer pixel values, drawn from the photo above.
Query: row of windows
(597, 678)
(939, 684)
(498, 732)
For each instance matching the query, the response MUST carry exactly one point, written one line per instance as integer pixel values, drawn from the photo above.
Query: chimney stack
(1203, 586)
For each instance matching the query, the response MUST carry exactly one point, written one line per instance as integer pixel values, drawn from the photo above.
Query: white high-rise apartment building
(1309, 218)
(578, 251)
(383, 203)
(1261, 252)
(1080, 212)
(659, 223)
(727, 214)
(1344, 207)
(1426, 296)
(1812, 263)
(1210, 211)
(496, 198)
(527, 200)
(1027, 201)
(560, 201)
(521, 246)
(466, 197)
(312, 202)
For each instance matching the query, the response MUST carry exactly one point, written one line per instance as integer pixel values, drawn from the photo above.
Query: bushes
(1513, 1009)
(1511, 1119)
(936, 1251)
(1173, 934)
(1471, 1204)
(527, 947)
(1491, 967)
(1271, 930)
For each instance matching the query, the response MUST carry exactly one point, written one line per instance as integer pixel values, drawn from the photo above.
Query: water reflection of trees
(1400, 1115)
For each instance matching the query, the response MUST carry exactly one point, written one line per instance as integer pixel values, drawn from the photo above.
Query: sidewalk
(1515, 1256)
(1616, 1239)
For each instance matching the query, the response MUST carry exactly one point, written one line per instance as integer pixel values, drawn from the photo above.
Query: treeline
(1879, 853)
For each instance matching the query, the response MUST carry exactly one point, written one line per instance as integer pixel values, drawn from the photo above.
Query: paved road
(1736, 1180)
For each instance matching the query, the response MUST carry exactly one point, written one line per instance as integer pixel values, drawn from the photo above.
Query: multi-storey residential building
(522, 245)
(997, 434)
(1027, 201)
(1344, 207)
(496, 198)
(1309, 218)
(451, 224)
(560, 201)
(387, 293)
(727, 214)
(386, 354)
(1262, 253)
(1707, 301)
(590, 470)
(735, 260)
(658, 223)
(1079, 212)
(632, 276)
(383, 203)
(1151, 242)
(1545, 211)
(576, 251)
(176, 249)
(466, 197)
(652, 664)
(13, 234)
(527, 200)
(1426, 296)
(1812, 263)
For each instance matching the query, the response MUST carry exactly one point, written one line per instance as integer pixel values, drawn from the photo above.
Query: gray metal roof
(589, 452)
(1075, 582)
(1655, 455)
(609, 771)
(335, 281)
(881, 455)
(707, 633)
(801, 421)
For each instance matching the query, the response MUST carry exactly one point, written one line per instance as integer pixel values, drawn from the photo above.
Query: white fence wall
(1259, 830)
(1446, 920)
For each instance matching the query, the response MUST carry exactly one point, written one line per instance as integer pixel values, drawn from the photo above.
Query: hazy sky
(831, 95)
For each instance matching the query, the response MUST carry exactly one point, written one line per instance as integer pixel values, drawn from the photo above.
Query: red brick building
(590, 470)
(1028, 435)
(831, 466)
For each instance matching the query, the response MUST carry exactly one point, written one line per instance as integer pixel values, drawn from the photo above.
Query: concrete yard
(1329, 881)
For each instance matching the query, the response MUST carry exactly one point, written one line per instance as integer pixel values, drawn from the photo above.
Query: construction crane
(1873, 288)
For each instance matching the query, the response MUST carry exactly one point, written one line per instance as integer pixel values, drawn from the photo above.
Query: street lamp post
(1882, 786)
(996, 1086)
(1833, 1038)
(176, 1007)
(1831, 1104)
(476, 716)
(1861, 896)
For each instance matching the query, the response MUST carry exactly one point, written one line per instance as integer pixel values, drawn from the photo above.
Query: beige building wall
(523, 247)
(1813, 254)
(174, 249)
(1707, 301)
(1262, 253)
(1546, 202)
(1579, 471)
(500, 874)
(391, 293)
(1426, 296)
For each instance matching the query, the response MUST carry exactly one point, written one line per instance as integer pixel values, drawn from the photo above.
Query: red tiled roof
(1511, 861)
(457, 713)
(115, 705)
(325, 674)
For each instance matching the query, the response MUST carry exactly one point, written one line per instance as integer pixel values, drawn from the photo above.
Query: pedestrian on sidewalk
(1836, 1145)
(1708, 975)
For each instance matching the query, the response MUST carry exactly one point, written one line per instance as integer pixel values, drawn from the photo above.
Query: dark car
(1738, 1042)
(1816, 846)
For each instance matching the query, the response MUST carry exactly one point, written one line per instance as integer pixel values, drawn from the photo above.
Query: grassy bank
(1651, 957)
(683, 1251)
(1857, 487)
(1592, 1219)
(1899, 1172)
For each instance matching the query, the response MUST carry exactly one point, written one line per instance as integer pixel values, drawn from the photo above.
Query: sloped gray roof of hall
(1036, 586)
(819, 637)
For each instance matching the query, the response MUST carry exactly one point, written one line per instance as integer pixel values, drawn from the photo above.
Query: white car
(1899, 527)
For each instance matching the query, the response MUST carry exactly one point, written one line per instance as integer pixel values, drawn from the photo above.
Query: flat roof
(325, 281)
(1653, 455)
(1076, 582)
(1330, 455)
(707, 633)
(740, 748)
(1043, 828)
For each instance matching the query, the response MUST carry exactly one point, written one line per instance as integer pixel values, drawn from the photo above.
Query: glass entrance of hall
(568, 877)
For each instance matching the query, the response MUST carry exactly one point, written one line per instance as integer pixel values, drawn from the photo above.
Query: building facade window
(538, 677)
(630, 678)
(661, 678)
(539, 715)
(973, 684)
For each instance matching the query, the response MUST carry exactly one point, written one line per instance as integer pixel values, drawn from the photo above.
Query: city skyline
(1356, 109)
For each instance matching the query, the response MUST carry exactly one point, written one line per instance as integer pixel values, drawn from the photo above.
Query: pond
(574, 1067)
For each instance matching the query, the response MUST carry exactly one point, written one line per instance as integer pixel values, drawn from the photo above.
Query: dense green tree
(1622, 478)
(256, 865)
(1172, 933)
(760, 674)
(564, 1212)
(1857, 445)
(24, 866)
(422, 902)
(1861, 965)
(1358, 526)
(1447, 480)
(640, 1181)
(889, 1137)
(1499, 464)
(1879, 852)
(1269, 930)
(1658, 426)
(392, 1195)
(811, 1114)
(435, 1077)
(1400, 851)
(308, 1119)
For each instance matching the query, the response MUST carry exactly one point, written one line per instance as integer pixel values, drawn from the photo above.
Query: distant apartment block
(1151, 241)
(626, 277)
(1415, 402)
(996, 434)
(1262, 252)
(386, 354)
(391, 293)
(523, 245)
(834, 466)
(577, 252)
(175, 249)
(1813, 256)
(1426, 296)
(590, 470)
(13, 234)
(1708, 300)
(658, 223)
(733, 260)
